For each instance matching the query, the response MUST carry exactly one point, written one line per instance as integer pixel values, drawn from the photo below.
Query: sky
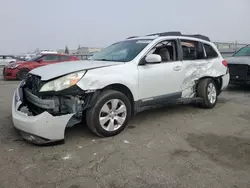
(53, 24)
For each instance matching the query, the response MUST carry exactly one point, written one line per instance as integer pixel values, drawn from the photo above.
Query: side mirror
(153, 58)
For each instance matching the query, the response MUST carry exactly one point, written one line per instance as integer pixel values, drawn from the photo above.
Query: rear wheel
(22, 74)
(208, 91)
(110, 114)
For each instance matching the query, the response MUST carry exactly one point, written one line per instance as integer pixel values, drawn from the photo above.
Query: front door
(161, 82)
(49, 59)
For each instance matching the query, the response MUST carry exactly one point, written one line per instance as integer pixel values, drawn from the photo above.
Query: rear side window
(210, 52)
(50, 58)
(64, 58)
(192, 50)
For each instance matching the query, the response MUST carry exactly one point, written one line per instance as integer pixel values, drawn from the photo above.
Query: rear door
(193, 59)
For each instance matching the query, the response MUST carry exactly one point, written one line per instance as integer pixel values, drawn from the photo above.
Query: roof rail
(171, 33)
(178, 33)
(198, 36)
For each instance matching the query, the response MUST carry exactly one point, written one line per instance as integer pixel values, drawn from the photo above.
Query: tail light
(224, 62)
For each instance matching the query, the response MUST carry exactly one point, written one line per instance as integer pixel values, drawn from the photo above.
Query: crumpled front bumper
(39, 129)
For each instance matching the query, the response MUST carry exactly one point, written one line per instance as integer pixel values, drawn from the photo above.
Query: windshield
(122, 51)
(245, 51)
(34, 58)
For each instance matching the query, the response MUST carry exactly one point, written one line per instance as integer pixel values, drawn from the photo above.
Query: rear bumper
(225, 81)
(39, 129)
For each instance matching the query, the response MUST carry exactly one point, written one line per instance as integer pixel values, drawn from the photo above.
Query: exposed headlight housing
(63, 82)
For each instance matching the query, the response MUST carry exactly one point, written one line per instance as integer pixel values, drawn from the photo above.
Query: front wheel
(110, 114)
(22, 74)
(208, 91)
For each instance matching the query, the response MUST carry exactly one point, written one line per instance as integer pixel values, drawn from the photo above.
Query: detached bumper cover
(46, 126)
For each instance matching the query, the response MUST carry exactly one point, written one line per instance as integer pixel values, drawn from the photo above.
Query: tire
(22, 74)
(102, 105)
(203, 88)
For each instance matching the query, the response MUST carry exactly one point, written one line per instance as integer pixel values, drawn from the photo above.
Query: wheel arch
(22, 69)
(217, 80)
(123, 89)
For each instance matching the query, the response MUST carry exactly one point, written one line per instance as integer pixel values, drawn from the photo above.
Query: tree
(66, 50)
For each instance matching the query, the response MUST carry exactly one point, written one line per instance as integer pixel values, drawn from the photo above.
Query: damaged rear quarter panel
(125, 74)
(195, 70)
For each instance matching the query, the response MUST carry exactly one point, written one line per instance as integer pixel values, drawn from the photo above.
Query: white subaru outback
(127, 77)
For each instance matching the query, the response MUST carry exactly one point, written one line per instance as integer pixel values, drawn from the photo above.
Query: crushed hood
(239, 60)
(59, 69)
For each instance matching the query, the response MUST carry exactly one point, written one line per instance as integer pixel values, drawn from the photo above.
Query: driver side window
(167, 50)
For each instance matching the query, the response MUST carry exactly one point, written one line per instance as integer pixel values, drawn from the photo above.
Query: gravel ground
(181, 146)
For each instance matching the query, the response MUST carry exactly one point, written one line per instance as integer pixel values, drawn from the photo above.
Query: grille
(239, 70)
(33, 83)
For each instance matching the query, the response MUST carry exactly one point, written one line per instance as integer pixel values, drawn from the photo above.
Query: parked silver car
(6, 59)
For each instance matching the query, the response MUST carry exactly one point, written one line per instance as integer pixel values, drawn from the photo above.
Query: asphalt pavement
(179, 147)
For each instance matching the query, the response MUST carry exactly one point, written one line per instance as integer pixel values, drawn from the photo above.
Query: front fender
(94, 80)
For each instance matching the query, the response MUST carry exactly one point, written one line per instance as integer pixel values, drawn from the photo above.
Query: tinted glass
(167, 51)
(34, 58)
(50, 58)
(191, 50)
(243, 52)
(122, 51)
(210, 52)
(64, 58)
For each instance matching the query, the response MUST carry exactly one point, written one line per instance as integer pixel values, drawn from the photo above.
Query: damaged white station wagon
(127, 77)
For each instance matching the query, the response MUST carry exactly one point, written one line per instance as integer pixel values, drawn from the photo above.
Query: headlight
(63, 82)
(12, 66)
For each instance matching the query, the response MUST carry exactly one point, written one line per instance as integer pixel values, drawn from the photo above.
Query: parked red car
(19, 69)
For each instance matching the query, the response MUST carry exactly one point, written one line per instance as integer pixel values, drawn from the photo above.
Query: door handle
(177, 68)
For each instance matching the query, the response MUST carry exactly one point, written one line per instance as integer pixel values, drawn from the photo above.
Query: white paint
(63, 68)
(153, 58)
(80, 147)
(144, 82)
(44, 124)
(153, 80)
(95, 154)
